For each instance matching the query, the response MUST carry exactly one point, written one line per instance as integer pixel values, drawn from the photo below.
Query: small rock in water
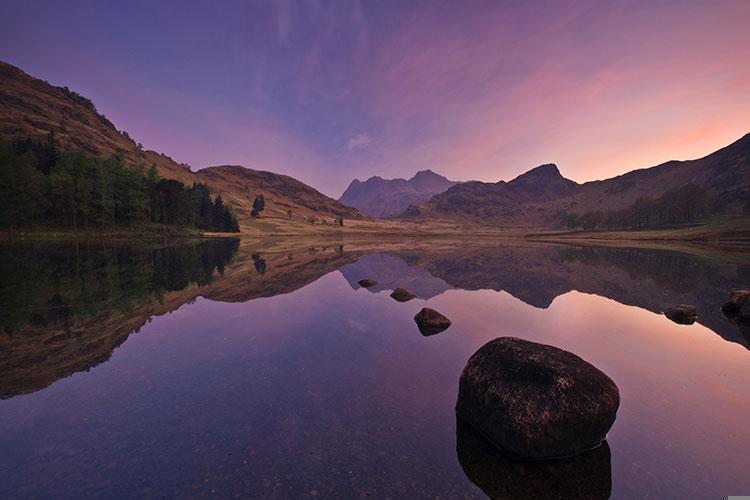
(535, 401)
(402, 295)
(738, 305)
(367, 283)
(683, 314)
(431, 322)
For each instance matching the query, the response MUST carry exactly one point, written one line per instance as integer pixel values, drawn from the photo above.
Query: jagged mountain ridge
(380, 197)
(541, 196)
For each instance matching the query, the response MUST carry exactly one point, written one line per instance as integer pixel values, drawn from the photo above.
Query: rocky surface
(536, 401)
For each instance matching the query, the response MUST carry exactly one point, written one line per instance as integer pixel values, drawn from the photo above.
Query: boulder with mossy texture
(367, 283)
(682, 314)
(431, 322)
(402, 295)
(535, 401)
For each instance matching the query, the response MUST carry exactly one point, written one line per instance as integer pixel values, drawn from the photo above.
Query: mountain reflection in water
(276, 359)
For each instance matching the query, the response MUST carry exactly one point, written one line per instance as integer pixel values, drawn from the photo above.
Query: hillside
(33, 109)
(380, 197)
(239, 186)
(542, 196)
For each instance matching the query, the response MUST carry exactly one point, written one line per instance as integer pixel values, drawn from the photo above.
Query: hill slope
(380, 197)
(33, 109)
(542, 196)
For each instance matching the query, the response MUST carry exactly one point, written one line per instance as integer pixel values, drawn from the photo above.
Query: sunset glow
(330, 91)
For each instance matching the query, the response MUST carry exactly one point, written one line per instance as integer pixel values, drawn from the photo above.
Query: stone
(367, 283)
(682, 314)
(402, 295)
(431, 322)
(733, 308)
(535, 401)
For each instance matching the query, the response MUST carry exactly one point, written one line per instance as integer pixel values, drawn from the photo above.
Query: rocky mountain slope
(31, 108)
(380, 197)
(542, 196)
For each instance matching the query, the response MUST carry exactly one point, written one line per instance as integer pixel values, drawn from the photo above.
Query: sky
(328, 91)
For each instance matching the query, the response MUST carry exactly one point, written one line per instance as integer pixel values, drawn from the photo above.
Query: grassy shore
(726, 229)
(148, 232)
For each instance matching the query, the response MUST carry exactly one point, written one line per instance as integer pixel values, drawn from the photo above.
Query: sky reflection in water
(287, 379)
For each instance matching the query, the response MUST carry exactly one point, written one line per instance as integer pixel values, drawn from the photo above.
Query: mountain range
(32, 109)
(542, 196)
(380, 197)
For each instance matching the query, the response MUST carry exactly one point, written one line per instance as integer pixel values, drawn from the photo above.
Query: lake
(235, 368)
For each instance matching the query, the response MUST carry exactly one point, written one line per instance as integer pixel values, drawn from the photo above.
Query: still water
(240, 369)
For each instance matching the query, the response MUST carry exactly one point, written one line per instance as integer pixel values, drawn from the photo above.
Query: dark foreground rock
(402, 295)
(683, 314)
(367, 283)
(536, 401)
(587, 475)
(738, 306)
(430, 322)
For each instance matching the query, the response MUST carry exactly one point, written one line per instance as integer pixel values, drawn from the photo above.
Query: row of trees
(677, 206)
(43, 186)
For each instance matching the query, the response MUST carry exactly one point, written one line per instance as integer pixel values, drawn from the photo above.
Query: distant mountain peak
(385, 197)
(546, 171)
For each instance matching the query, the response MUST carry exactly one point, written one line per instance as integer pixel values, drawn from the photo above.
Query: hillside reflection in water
(237, 368)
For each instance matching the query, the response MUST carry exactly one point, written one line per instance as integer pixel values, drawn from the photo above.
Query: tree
(258, 205)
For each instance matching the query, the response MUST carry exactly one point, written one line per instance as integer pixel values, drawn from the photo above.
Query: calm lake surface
(239, 369)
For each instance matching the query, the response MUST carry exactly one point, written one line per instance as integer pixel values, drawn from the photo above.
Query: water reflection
(263, 369)
(537, 274)
(584, 476)
(67, 306)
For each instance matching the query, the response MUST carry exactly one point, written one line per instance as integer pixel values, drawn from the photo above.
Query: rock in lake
(535, 401)
(683, 314)
(431, 322)
(402, 295)
(367, 283)
(738, 305)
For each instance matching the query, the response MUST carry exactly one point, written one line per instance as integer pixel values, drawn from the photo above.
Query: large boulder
(402, 295)
(683, 314)
(738, 305)
(431, 322)
(536, 401)
(587, 475)
(367, 283)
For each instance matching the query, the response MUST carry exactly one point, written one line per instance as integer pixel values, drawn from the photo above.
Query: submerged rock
(683, 314)
(587, 475)
(536, 401)
(738, 305)
(367, 283)
(431, 322)
(402, 295)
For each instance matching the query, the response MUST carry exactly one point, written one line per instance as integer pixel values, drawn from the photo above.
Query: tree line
(42, 186)
(677, 206)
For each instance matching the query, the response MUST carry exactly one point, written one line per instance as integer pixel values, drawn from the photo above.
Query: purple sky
(331, 90)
